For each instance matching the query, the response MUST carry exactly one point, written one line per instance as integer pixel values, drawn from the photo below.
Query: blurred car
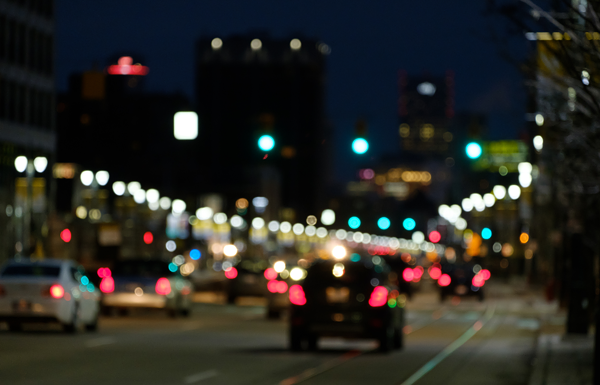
(343, 298)
(461, 280)
(145, 283)
(50, 291)
(244, 280)
(401, 278)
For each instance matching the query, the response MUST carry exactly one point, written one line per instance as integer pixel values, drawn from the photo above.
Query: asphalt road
(451, 343)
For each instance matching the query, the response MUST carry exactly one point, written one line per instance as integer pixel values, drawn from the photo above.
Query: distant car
(403, 281)
(460, 280)
(47, 290)
(346, 299)
(278, 301)
(145, 283)
(244, 282)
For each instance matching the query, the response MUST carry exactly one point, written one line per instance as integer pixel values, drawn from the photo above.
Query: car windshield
(142, 269)
(31, 271)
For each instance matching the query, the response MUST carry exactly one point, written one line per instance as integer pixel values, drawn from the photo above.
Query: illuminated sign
(125, 66)
(507, 153)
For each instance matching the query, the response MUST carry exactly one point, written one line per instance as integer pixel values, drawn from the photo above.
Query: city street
(452, 343)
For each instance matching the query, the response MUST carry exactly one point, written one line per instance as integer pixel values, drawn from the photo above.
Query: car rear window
(355, 273)
(31, 271)
(142, 269)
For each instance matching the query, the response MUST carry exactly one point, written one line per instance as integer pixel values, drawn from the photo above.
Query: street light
(102, 177)
(40, 163)
(21, 163)
(86, 177)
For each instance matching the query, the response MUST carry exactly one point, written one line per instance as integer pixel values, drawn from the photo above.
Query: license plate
(460, 289)
(21, 306)
(337, 295)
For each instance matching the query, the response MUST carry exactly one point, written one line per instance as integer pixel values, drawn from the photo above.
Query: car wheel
(185, 312)
(398, 338)
(71, 327)
(296, 338)
(313, 341)
(386, 341)
(92, 327)
(15, 327)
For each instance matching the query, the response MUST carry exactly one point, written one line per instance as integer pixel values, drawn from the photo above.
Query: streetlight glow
(40, 163)
(21, 163)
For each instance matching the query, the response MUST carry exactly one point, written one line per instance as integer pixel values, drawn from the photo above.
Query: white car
(47, 290)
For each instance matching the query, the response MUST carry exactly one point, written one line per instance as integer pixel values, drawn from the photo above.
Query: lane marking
(312, 372)
(200, 376)
(101, 341)
(460, 341)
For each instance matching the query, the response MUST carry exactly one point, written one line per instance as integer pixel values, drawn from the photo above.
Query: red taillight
(282, 287)
(231, 273)
(107, 285)
(379, 296)
(270, 274)
(408, 274)
(272, 286)
(478, 280)
(104, 272)
(418, 271)
(57, 291)
(444, 280)
(435, 272)
(163, 286)
(297, 296)
(485, 273)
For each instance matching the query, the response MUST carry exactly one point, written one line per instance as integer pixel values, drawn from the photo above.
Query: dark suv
(346, 299)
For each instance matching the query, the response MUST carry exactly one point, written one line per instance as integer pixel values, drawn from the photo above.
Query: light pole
(29, 166)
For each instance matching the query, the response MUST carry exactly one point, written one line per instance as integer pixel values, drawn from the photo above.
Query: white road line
(450, 348)
(100, 342)
(200, 376)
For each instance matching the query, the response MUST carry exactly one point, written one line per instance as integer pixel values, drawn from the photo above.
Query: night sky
(370, 42)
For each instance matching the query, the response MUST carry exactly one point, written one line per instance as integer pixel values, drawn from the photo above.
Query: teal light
(266, 142)
(354, 222)
(90, 287)
(360, 145)
(172, 267)
(85, 280)
(409, 224)
(383, 223)
(486, 233)
(355, 257)
(473, 150)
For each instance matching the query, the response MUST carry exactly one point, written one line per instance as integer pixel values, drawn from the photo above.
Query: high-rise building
(425, 110)
(26, 124)
(253, 85)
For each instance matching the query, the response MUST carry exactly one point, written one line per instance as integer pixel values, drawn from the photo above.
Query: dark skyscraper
(249, 86)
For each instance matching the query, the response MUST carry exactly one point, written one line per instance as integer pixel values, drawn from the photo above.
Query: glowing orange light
(524, 238)
(231, 273)
(444, 280)
(148, 237)
(57, 291)
(107, 285)
(65, 235)
(297, 296)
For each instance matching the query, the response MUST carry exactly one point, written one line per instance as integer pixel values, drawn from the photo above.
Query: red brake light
(282, 287)
(107, 285)
(163, 286)
(408, 274)
(270, 274)
(444, 280)
(104, 272)
(231, 273)
(485, 273)
(478, 280)
(272, 286)
(435, 272)
(57, 291)
(379, 296)
(297, 296)
(418, 271)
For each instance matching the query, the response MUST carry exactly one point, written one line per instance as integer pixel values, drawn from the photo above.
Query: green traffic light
(473, 150)
(266, 143)
(360, 145)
